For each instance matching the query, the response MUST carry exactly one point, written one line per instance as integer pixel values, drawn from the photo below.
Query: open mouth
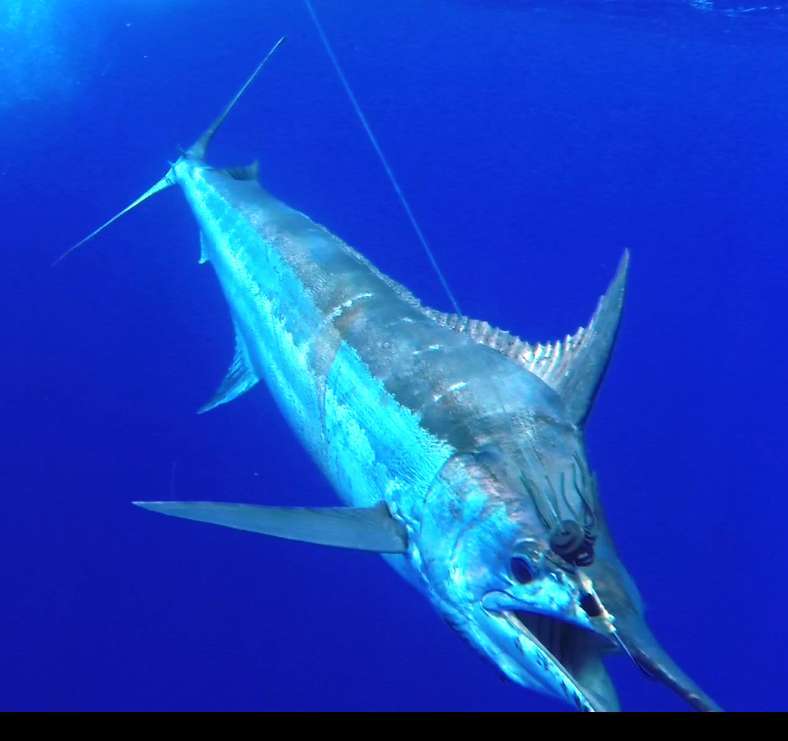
(578, 652)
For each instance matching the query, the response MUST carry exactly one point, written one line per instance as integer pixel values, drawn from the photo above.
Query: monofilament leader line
(376, 146)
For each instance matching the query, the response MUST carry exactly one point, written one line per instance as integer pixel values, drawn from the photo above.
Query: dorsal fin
(574, 366)
(244, 172)
(590, 352)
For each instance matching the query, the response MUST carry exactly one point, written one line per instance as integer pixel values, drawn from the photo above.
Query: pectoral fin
(360, 528)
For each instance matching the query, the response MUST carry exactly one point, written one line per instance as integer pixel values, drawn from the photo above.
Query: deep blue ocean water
(535, 142)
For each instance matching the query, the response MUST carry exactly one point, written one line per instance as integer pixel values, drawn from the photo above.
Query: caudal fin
(197, 150)
(163, 184)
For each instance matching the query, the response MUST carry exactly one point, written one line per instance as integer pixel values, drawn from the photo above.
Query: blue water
(535, 141)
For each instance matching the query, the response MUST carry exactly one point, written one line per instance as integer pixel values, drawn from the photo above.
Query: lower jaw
(567, 660)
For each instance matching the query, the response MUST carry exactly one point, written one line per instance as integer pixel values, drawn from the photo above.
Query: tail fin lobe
(162, 184)
(197, 150)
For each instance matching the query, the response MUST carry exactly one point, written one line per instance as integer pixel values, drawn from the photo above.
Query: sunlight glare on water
(34, 64)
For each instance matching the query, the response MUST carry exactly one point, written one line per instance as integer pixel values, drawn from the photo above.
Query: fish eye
(521, 570)
(590, 605)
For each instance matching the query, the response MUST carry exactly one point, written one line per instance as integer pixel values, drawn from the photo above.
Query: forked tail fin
(196, 151)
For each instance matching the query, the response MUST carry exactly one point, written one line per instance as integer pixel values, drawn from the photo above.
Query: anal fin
(239, 379)
(360, 528)
(203, 248)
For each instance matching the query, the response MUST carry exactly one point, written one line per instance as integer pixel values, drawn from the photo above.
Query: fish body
(456, 448)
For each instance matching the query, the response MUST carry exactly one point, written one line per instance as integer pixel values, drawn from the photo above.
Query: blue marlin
(456, 447)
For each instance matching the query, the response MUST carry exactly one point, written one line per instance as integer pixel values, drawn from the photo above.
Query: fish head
(519, 560)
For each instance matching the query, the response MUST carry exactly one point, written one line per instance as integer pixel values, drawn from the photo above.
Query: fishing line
(419, 233)
(390, 173)
(376, 146)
